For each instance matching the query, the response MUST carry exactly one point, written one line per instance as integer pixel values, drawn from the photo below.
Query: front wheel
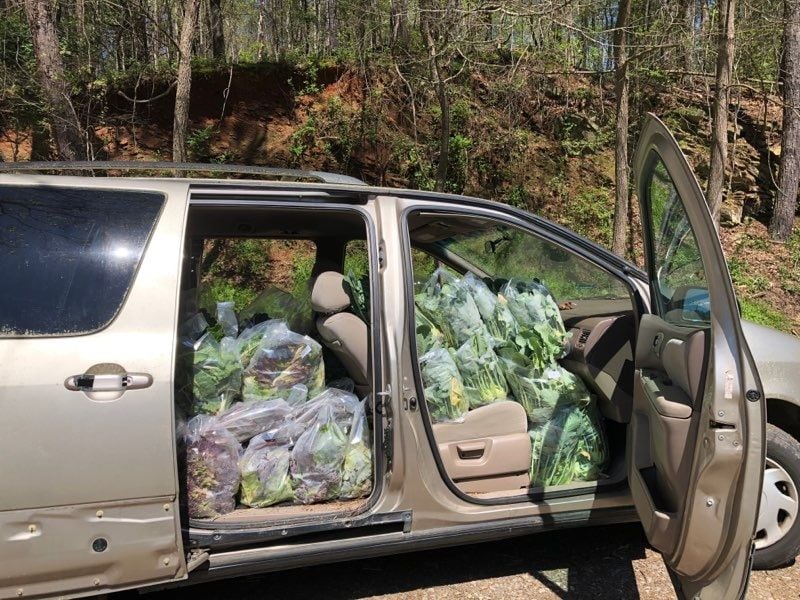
(778, 528)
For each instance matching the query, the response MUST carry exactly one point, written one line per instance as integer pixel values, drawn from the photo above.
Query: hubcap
(779, 504)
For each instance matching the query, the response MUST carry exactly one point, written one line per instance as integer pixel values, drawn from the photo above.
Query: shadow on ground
(577, 563)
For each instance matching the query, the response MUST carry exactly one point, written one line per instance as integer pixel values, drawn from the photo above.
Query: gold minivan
(487, 413)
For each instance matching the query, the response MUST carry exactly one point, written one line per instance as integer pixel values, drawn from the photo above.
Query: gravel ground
(597, 563)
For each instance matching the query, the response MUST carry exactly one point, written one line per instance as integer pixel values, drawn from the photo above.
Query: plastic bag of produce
(275, 303)
(500, 323)
(448, 304)
(534, 307)
(318, 459)
(444, 388)
(216, 374)
(282, 360)
(542, 393)
(226, 319)
(251, 337)
(480, 370)
(302, 417)
(570, 447)
(358, 290)
(246, 420)
(212, 469)
(427, 334)
(357, 470)
(264, 468)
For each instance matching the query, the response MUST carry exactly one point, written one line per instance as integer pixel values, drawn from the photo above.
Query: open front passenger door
(696, 436)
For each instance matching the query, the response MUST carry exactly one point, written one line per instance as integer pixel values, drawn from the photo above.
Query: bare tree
(216, 31)
(780, 227)
(65, 128)
(183, 89)
(621, 85)
(719, 128)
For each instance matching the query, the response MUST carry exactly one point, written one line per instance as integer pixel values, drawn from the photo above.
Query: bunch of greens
(318, 459)
(480, 370)
(216, 374)
(428, 336)
(246, 420)
(535, 309)
(265, 473)
(275, 303)
(444, 388)
(569, 447)
(341, 404)
(250, 339)
(493, 308)
(448, 304)
(226, 319)
(212, 470)
(541, 393)
(357, 470)
(283, 360)
(358, 290)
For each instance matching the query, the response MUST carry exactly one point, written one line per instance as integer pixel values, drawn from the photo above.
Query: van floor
(278, 513)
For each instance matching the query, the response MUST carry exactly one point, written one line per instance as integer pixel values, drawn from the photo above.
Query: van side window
(69, 256)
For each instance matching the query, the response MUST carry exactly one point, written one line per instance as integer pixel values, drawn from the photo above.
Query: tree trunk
(780, 227)
(66, 131)
(399, 23)
(719, 129)
(622, 196)
(216, 31)
(183, 89)
(441, 95)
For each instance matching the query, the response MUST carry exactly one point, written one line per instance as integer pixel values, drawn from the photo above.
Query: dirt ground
(597, 563)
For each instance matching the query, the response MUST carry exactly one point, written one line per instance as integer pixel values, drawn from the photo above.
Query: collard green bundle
(283, 360)
(535, 309)
(480, 371)
(318, 460)
(444, 388)
(500, 323)
(265, 473)
(448, 304)
(216, 374)
(570, 446)
(294, 309)
(427, 334)
(212, 469)
(357, 470)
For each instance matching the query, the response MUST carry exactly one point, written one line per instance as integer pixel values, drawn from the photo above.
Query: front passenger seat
(343, 332)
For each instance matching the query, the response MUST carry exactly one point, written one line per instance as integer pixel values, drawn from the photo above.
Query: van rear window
(68, 256)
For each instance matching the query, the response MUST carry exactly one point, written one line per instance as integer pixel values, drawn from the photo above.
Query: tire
(779, 515)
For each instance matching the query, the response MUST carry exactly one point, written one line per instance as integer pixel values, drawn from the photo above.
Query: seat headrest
(328, 295)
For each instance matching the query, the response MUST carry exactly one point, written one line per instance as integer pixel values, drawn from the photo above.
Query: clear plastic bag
(480, 370)
(264, 469)
(251, 337)
(283, 360)
(226, 319)
(357, 469)
(318, 459)
(541, 394)
(534, 308)
(246, 420)
(212, 467)
(448, 304)
(427, 334)
(444, 388)
(500, 323)
(571, 446)
(216, 374)
(342, 405)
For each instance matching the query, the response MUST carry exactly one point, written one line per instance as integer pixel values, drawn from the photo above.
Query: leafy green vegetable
(480, 370)
(536, 310)
(358, 290)
(500, 323)
(283, 360)
(444, 388)
(318, 459)
(570, 446)
(357, 470)
(212, 471)
(448, 304)
(246, 420)
(275, 303)
(216, 375)
(428, 336)
(265, 473)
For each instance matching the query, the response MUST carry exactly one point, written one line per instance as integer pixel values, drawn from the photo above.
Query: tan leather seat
(343, 332)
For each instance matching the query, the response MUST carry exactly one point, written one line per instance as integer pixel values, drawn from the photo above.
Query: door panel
(90, 489)
(695, 451)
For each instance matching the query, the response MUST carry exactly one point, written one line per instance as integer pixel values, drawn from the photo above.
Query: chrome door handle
(108, 382)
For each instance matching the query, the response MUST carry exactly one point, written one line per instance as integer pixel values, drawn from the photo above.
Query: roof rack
(100, 165)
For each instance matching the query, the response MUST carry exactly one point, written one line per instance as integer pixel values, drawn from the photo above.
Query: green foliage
(302, 139)
(760, 311)
(198, 144)
(591, 213)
